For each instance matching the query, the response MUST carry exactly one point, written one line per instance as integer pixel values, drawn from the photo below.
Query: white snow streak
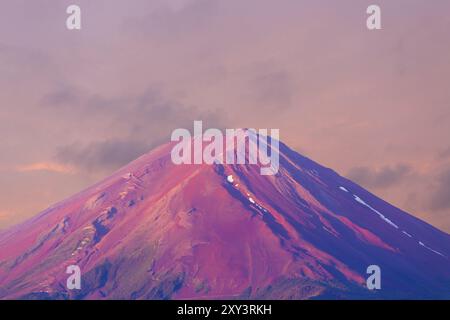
(404, 232)
(361, 201)
(425, 246)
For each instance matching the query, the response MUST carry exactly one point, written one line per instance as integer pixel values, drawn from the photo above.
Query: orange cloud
(3, 215)
(47, 166)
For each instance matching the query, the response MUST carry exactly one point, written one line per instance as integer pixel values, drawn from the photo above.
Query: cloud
(143, 112)
(379, 178)
(273, 89)
(106, 155)
(440, 197)
(175, 21)
(46, 166)
(141, 70)
(133, 126)
(3, 215)
(63, 96)
(444, 154)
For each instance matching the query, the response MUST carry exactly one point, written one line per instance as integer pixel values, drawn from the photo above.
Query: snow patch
(127, 176)
(328, 230)
(343, 189)
(251, 200)
(361, 201)
(425, 246)
(404, 232)
(123, 194)
(230, 178)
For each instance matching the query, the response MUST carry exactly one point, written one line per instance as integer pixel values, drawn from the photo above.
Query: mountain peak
(157, 230)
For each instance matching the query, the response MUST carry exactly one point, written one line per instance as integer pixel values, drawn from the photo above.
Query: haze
(372, 105)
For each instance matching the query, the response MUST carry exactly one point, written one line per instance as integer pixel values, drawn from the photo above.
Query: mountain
(155, 230)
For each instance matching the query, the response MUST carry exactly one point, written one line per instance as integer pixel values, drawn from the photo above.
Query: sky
(372, 105)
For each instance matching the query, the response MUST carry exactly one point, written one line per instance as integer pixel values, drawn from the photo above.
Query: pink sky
(374, 106)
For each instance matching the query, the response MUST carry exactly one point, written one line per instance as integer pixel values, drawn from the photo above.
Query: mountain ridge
(153, 230)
